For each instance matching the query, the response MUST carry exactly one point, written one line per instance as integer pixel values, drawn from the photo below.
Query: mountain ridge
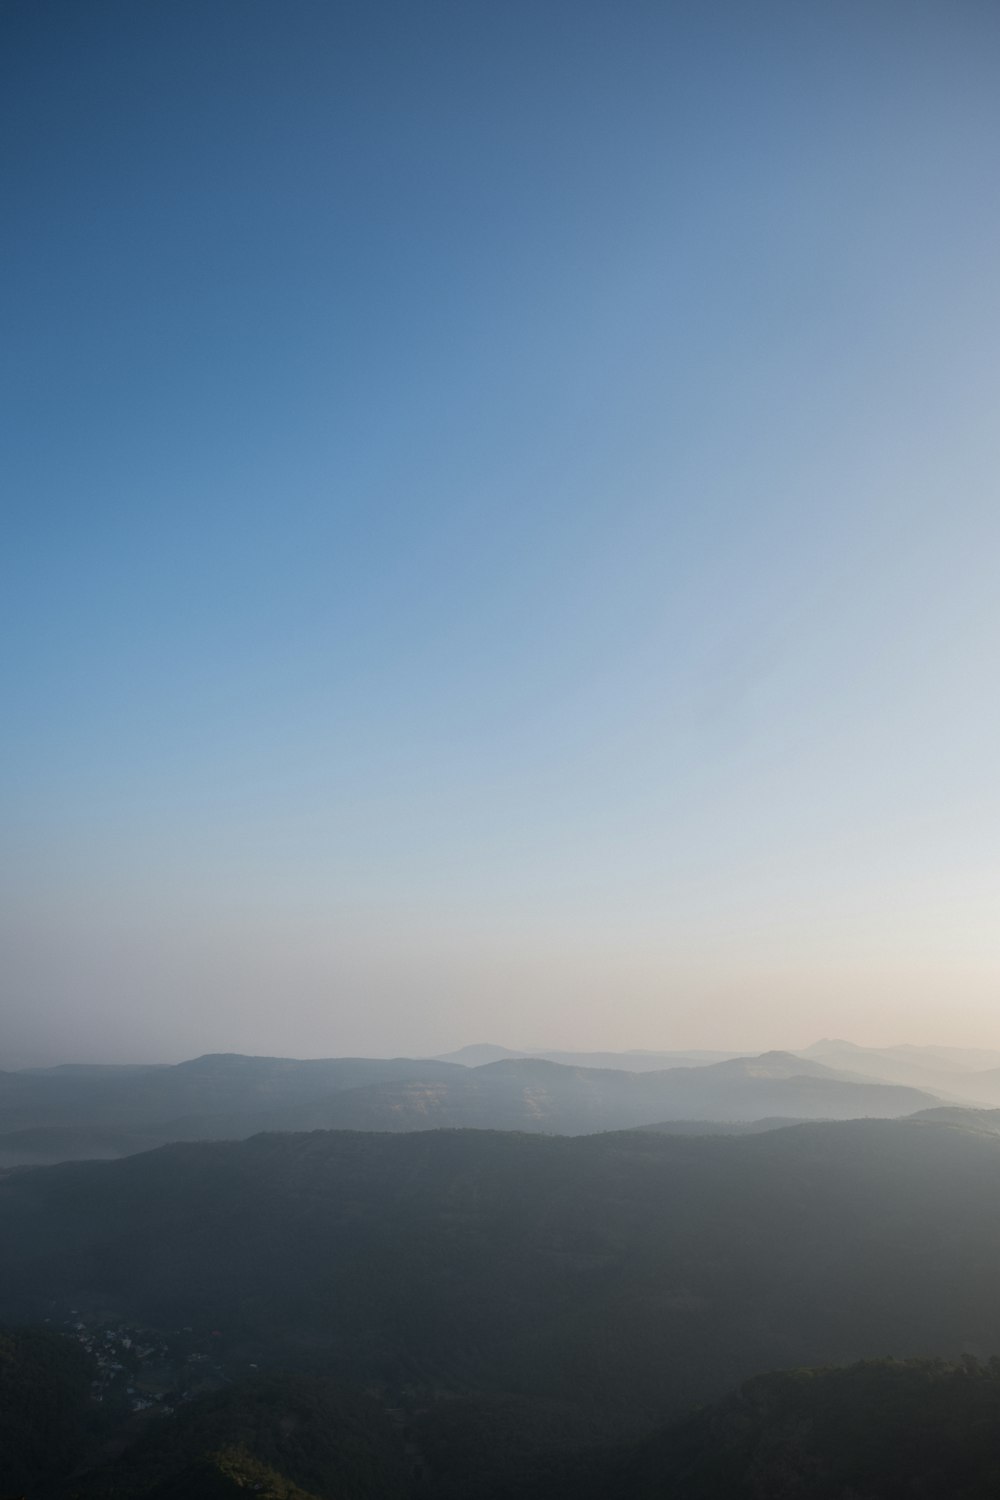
(75, 1114)
(633, 1270)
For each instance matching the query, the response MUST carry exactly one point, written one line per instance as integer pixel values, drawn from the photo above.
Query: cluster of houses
(140, 1368)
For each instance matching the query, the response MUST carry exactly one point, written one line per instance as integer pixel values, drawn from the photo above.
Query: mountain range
(423, 1313)
(81, 1112)
(632, 1271)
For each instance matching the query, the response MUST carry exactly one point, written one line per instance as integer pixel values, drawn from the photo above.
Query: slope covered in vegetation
(636, 1272)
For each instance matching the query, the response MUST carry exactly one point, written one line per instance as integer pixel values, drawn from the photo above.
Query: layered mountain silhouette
(956, 1074)
(531, 1094)
(428, 1314)
(635, 1061)
(78, 1112)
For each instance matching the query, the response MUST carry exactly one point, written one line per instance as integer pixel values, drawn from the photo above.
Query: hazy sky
(501, 533)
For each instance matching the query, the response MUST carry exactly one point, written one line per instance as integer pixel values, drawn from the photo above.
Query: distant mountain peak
(476, 1054)
(775, 1064)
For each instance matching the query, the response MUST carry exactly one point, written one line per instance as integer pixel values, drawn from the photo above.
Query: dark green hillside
(282, 1436)
(879, 1430)
(633, 1272)
(46, 1417)
(227, 1474)
(516, 1448)
(919, 1430)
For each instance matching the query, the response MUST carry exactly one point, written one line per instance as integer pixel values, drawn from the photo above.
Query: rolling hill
(530, 1094)
(955, 1074)
(80, 1113)
(882, 1429)
(627, 1272)
(634, 1061)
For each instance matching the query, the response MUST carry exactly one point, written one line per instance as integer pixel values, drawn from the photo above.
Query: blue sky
(501, 525)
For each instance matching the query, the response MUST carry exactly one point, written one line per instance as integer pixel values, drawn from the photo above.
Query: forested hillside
(887, 1430)
(283, 1436)
(636, 1271)
(47, 1418)
(884, 1430)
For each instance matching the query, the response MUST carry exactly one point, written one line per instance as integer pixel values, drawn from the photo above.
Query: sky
(501, 530)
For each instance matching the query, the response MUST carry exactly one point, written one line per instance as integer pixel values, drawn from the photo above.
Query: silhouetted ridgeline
(75, 1113)
(406, 1313)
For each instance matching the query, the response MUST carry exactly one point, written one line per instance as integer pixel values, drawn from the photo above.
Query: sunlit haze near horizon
(502, 534)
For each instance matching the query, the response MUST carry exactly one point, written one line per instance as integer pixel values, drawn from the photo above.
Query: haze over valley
(75, 1112)
(499, 812)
